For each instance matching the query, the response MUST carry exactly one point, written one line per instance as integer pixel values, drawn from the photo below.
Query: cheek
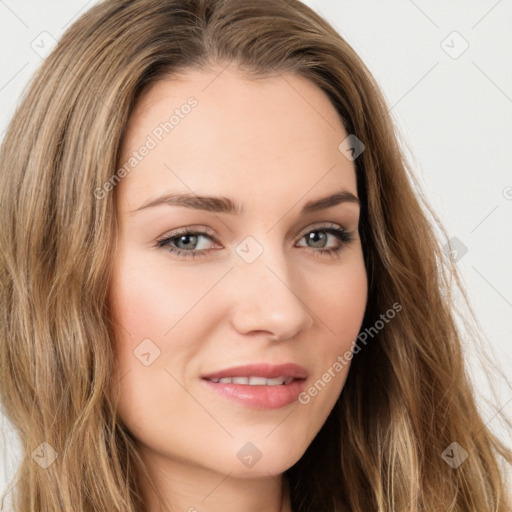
(339, 300)
(154, 340)
(159, 312)
(145, 296)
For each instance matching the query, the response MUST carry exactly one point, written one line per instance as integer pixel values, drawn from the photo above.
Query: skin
(271, 145)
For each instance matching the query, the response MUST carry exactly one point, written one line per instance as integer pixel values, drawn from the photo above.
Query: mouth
(259, 386)
(254, 381)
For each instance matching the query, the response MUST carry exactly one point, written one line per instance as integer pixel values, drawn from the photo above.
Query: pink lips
(261, 370)
(260, 396)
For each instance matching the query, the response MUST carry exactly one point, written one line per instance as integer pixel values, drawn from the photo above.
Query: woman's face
(252, 288)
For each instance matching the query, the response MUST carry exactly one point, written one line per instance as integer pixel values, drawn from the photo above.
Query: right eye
(188, 237)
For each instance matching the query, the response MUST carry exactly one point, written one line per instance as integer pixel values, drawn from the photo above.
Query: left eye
(190, 241)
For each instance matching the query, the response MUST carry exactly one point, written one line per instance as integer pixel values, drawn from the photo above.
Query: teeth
(259, 381)
(275, 381)
(254, 381)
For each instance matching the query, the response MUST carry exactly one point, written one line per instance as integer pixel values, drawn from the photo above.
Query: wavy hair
(408, 395)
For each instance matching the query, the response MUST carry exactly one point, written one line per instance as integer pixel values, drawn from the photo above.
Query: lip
(268, 371)
(260, 397)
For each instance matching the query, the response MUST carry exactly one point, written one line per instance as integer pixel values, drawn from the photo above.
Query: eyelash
(343, 236)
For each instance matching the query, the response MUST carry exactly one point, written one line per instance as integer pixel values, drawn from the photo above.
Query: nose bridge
(268, 290)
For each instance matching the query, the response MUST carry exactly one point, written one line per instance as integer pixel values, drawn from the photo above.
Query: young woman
(219, 286)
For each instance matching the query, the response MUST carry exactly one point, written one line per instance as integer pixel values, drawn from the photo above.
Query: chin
(252, 461)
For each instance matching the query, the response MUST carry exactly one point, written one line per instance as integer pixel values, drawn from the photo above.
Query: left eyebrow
(343, 196)
(220, 204)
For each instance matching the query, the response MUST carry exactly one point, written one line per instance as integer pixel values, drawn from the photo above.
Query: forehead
(243, 137)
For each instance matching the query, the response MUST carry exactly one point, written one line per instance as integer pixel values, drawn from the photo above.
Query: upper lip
(268, 371)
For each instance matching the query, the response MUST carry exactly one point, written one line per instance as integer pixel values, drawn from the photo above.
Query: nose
(269, 298)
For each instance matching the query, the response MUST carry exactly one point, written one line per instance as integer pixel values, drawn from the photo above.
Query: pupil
(315, 236)
(185, 237)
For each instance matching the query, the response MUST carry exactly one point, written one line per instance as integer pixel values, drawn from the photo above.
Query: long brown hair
(407, 397)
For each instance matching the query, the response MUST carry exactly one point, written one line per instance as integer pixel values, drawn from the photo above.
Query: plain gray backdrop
(445, 69)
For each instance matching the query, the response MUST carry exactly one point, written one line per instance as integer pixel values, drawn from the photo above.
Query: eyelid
(198, 229)
(187, 231)
(322, 225)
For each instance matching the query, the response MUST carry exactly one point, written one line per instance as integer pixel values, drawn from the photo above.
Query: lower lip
(260, 397)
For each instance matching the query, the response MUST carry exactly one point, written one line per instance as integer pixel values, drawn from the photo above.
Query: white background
(455, 116)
